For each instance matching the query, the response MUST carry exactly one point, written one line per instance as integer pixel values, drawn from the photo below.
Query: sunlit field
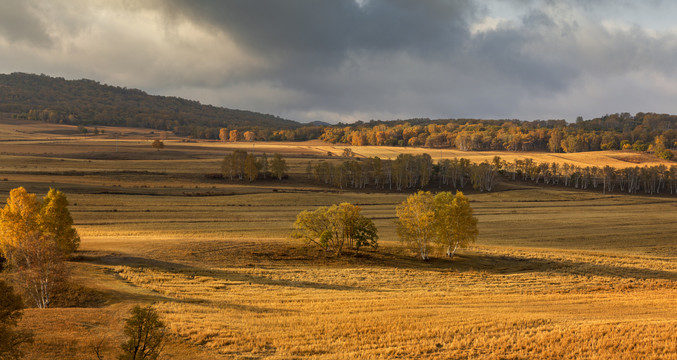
(555, 273)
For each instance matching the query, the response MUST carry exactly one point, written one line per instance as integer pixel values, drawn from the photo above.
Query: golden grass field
(555, 273)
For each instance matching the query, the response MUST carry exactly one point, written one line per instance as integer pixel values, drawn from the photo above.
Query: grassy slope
(555, 273)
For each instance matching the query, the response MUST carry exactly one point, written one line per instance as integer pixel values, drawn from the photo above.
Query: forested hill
(87, 102)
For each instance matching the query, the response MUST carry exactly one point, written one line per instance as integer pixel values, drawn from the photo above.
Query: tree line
(658, 179)
(405, 172)
(418, 171)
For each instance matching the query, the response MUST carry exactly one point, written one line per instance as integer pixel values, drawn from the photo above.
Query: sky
(349, 60)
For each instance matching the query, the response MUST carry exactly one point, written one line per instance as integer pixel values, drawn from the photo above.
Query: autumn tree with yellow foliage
(415, 219)
(55, 220)
(18, 219)
(445, 219)
(36, 237)
(455, 224)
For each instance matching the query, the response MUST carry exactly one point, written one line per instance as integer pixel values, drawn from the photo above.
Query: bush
(640, 146)
(666, 155)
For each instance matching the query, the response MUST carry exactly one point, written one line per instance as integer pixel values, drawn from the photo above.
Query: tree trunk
(424, 252)
(450, 253)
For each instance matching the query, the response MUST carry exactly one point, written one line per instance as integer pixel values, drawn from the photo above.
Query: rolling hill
(90, 103)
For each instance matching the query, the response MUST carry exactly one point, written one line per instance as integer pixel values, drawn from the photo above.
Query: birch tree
(36, 237)
(264, 165)
(278, 166)
(40, 268)
(251, 167)
(455, 226)
(55, 220)
(332, 228)
(415, 222)
(315, 228)
(18, 219)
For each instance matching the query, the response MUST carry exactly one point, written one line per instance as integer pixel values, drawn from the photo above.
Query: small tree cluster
(242, 165)
(35, 238)
(333, 227)
(444, 219)
(405, 172)
(409, 171)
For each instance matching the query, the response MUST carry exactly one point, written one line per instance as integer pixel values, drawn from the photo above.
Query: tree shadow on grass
(220, 274)
(511, 264)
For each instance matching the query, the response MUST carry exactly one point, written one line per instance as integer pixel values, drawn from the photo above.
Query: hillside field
(555, 273)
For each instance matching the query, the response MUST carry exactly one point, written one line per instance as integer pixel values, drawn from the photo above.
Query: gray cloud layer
(348, 60)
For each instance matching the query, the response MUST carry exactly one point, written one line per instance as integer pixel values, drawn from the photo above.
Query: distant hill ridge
(87, 102)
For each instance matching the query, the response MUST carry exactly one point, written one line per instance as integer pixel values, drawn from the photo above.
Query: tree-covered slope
(87, 102)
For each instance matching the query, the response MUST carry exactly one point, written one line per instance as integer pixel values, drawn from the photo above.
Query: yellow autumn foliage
(24, 216)
(18, 219)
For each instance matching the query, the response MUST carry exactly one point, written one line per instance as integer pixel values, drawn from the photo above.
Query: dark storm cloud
(308, 43)
(348, 60)
(330, 28)
(420, 58)
(339, 55)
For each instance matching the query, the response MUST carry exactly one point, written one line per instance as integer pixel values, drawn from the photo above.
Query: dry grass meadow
(555, 273)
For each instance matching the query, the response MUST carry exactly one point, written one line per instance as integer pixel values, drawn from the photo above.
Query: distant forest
(89, 103)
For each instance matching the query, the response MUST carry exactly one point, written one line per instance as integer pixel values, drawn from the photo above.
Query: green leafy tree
(314, 227)
(11, 340)
(454, 224)
(415, 222)
(145, 335)
(665, 154)
(331, 228)
(640, 146)
(357, 229)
